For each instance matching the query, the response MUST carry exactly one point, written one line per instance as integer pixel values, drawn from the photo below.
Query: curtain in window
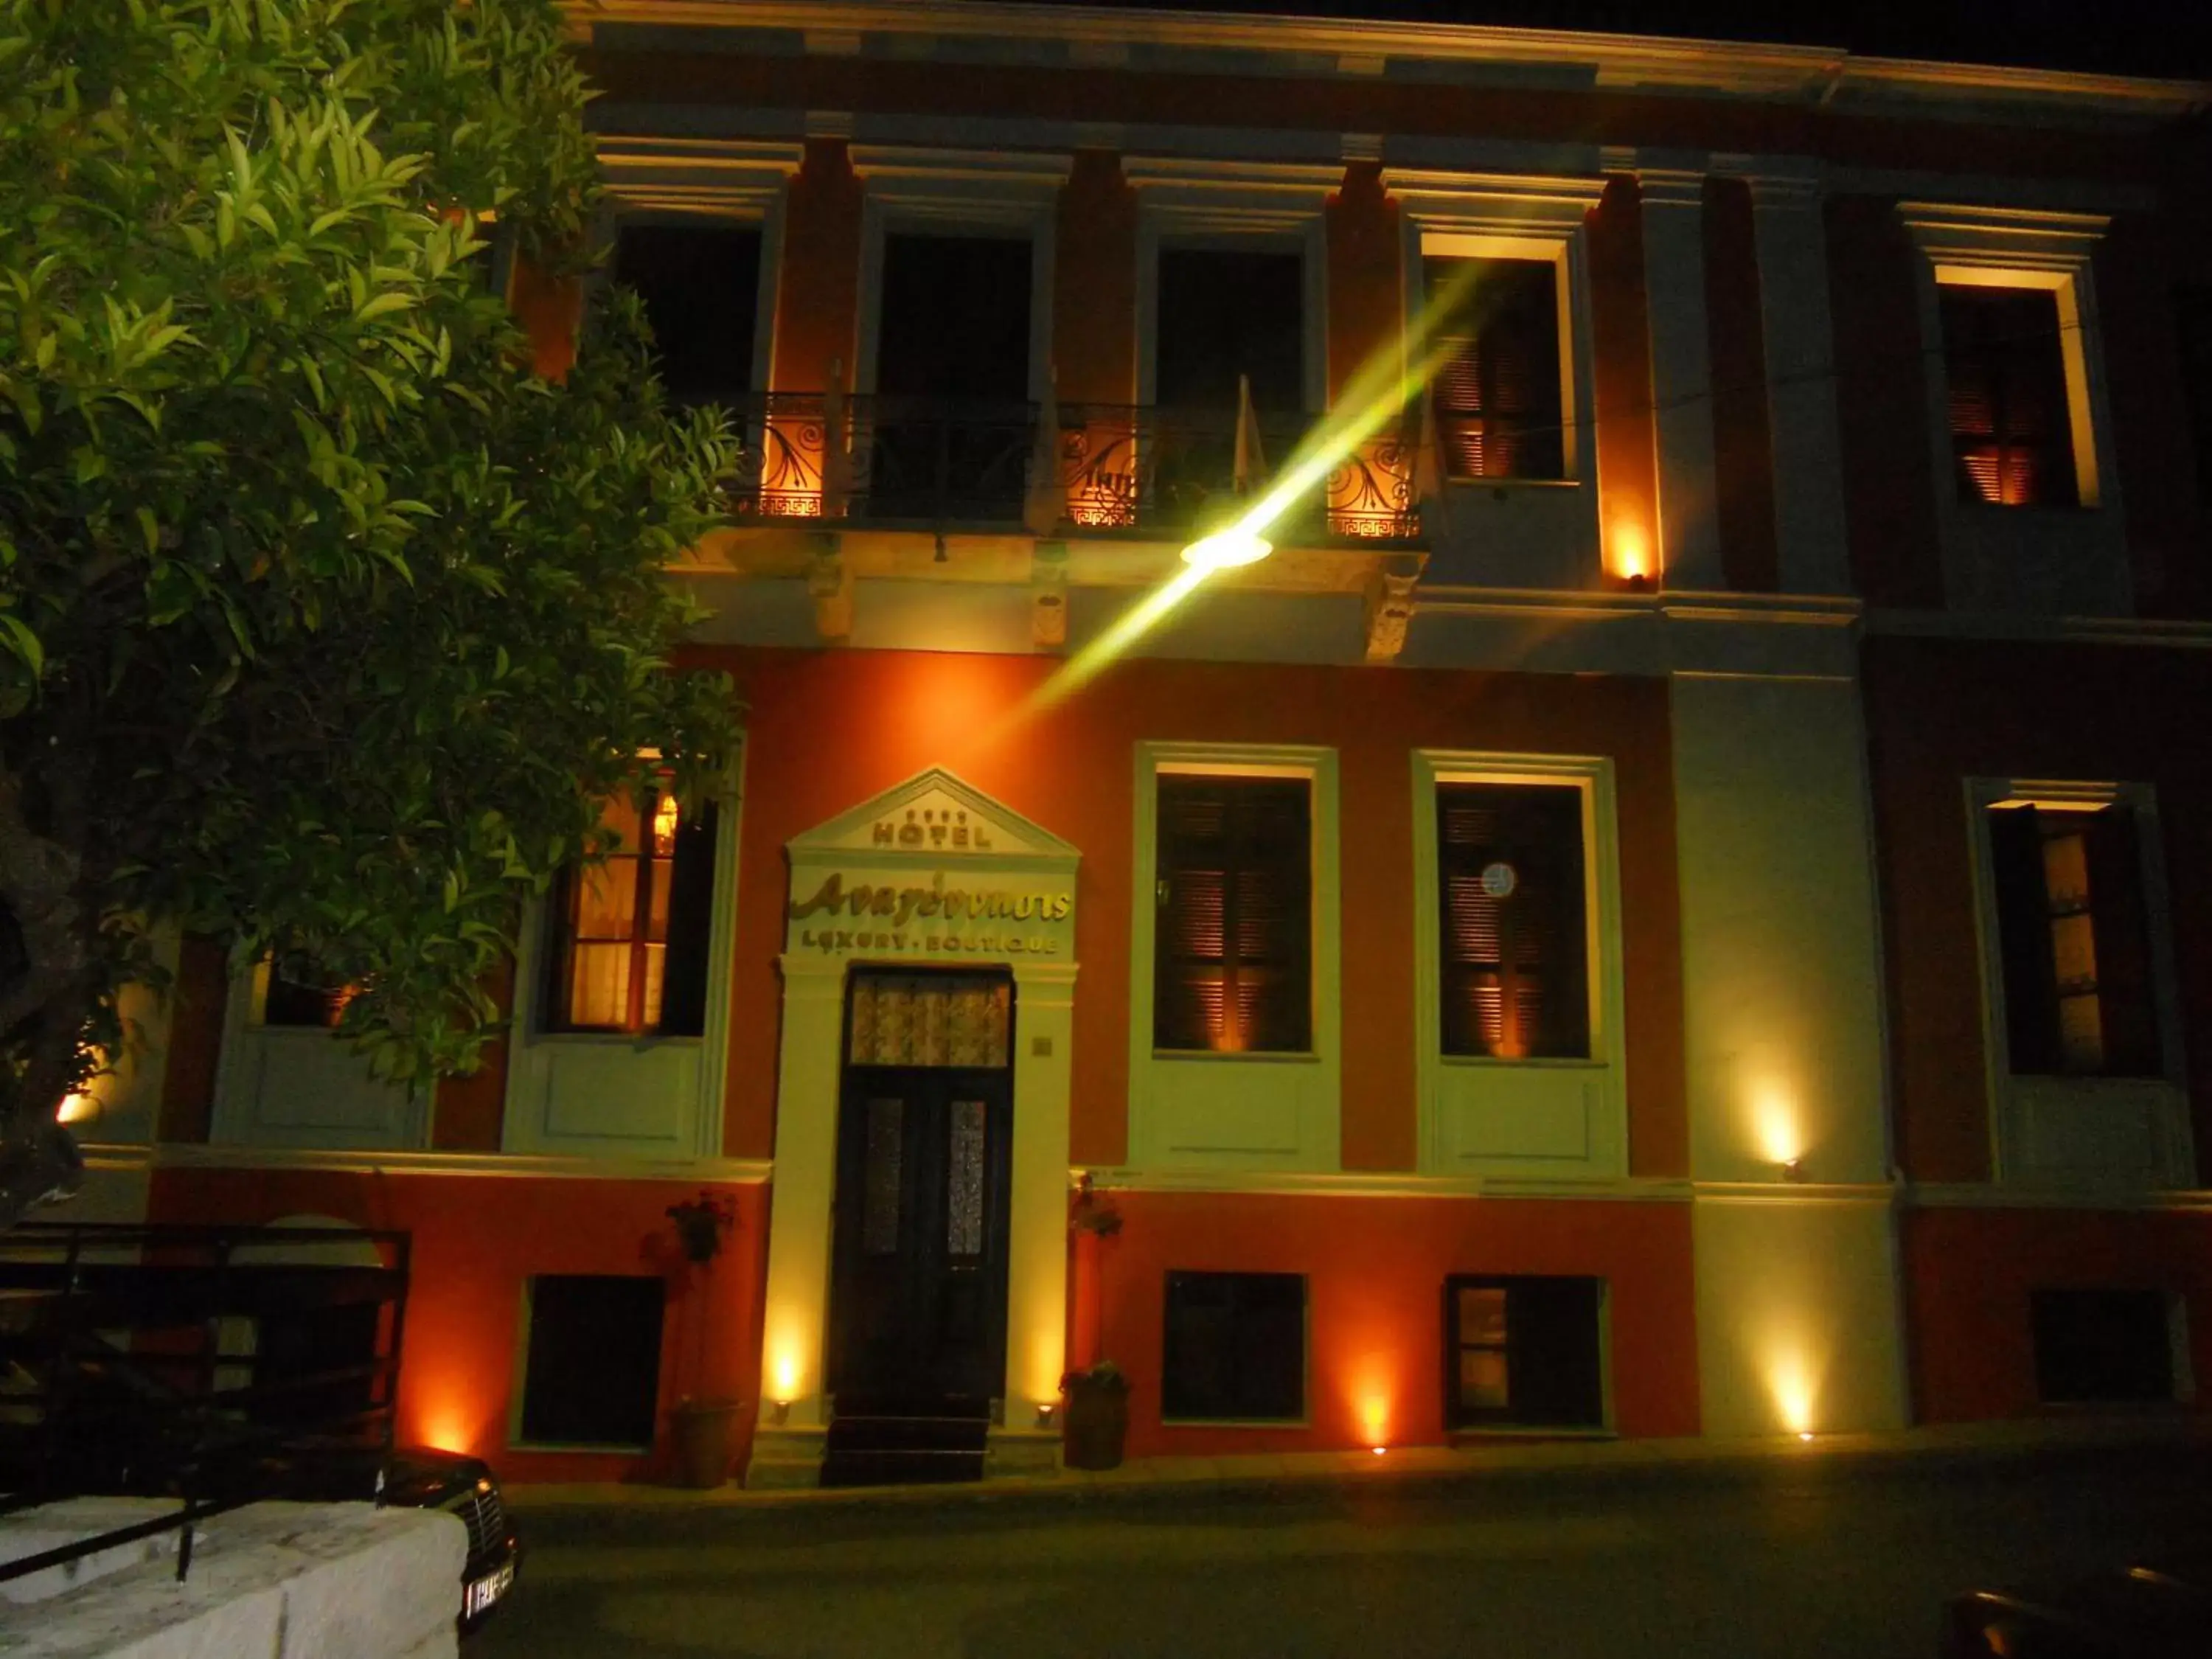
(929, 1019)
(2011, 434)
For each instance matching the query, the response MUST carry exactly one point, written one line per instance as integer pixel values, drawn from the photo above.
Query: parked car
(2141, 1612)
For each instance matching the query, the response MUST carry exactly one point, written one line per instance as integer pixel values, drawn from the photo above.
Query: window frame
(1304, 1417)
(1457, 1421)
(1438, 244)
(2015, 1098)
(1165, 1085)
(558, 960)
(764, 223)
(518, 1405)
(2067, 289)
(1443, 1076)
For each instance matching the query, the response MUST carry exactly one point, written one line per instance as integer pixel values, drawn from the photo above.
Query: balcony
(1142, 473)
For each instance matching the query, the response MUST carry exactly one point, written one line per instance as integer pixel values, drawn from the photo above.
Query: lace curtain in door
(929, 1019)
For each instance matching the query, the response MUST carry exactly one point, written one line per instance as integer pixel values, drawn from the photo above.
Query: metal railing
(907, 461)
(121, 1371)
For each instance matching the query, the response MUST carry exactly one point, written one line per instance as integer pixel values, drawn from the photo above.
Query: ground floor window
(592, 1371)
(1236, 1348)
(2105, 1346)
(1523, 1351)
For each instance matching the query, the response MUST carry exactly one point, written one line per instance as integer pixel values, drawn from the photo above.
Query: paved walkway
(1412, 1464)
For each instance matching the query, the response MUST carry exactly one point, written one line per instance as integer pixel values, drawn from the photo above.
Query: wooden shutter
(2024, 939)
(1232, 944)
(1514, 970)
(2011, 431)
(1497, 391)
(690, 926)
(2126, 998)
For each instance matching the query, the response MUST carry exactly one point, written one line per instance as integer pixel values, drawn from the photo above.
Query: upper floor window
(954, 318)
(1233, 942)
(2012, 428)
(1226, 314)
(2073, 937)
(628, 948)
(1513, 930)
(700, 284)
(1498, 389)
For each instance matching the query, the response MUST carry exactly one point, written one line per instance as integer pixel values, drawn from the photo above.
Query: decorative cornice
(1293, 1183)
(1103, 35)
(177, 1155)
(1991, 1195)
(1794, 1192)
(725, 177)
(1971, 234)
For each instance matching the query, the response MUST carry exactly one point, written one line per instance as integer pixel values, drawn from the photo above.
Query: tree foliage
(324, 621)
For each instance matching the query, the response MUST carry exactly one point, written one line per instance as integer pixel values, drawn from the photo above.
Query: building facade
(1678, 899)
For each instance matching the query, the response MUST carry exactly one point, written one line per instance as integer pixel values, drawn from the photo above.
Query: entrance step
(904, 1450)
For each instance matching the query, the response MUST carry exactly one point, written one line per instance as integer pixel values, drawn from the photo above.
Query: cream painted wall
(1799, 1322)
(1797, 1317)
(1780, 951)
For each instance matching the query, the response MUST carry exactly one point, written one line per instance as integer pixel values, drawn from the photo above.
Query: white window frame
(1455, 1089)
(1296, 1097)
(620, 1072)
(266, 1071)
(946, 192)
(2056, 560)
(2096, 1133)
(705, 182)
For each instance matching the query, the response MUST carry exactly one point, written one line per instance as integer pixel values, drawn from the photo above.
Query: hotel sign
(932, 871)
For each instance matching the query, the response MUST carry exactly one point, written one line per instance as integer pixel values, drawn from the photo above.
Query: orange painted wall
(818, 293)
(476, 1242)
(1940, 712)
(1621, 330)
(1366, 281)
(1376, 1268)
(1881, 404)
(1094, 301)
(828, 730)
(1968, 1273)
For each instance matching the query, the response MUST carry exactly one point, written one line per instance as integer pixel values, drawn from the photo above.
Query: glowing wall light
(1228, 548)
(1790, 1383)
(1775, 1127)
(1628, 550)
(78, 1107)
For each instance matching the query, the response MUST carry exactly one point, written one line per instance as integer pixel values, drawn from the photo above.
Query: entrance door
(924, 1143)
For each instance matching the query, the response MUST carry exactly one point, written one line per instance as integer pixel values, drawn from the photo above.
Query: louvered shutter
(1496, 390)
(2024, 939)
(2126, 1004)
(2011, 433)
(1232, 942)
(1513, 928)
(690, 923)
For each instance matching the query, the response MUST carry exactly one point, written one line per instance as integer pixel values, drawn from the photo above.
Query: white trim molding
(1390, 1183)
(1259, 1112)
(1546, 1119)
(2114, 1136)
(2048, 561)
(180, 1155)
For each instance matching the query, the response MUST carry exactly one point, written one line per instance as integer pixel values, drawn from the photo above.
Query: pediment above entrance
(935, 819)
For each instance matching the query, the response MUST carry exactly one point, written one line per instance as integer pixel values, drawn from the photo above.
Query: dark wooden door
(919, 1303)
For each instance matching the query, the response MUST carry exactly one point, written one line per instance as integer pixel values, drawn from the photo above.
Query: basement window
(2105, 1346)
(1236, 1348)
(592, 1373)
(1523, 1352)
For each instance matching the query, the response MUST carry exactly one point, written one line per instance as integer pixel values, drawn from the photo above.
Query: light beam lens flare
(1225, 551)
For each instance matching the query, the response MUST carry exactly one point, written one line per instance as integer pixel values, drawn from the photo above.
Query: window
(2073, 940)
(954, 318)
(2004, 362)
(1498, 389)
(1522, 1352)
(2104, 1346)
(1225, 313)
(1232, 944)
(1513, 934)
(1236, 1347)
(630, 946)
(592, 1373)
(295, 1003)
(701, 286)
(2193, 315)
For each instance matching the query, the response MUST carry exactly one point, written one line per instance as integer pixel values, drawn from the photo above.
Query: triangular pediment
(931, 817)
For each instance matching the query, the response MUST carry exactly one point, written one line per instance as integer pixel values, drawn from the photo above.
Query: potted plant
(699, 1427)
(1096, 1421)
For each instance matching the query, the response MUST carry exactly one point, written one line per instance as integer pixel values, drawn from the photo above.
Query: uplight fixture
(1045, 1413)
(1225, 550)
(779, 1411)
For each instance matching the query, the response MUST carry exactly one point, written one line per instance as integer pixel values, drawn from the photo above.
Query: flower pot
(699, 1441)
(1097, 1424)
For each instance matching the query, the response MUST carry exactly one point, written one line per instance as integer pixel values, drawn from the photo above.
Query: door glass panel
(963, 1185)
(929, 1019)
(879, 1202)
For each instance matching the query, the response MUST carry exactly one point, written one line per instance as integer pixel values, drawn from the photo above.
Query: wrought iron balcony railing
(1103, 468)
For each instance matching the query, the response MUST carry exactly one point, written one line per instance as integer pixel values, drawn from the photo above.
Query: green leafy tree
(325, 621)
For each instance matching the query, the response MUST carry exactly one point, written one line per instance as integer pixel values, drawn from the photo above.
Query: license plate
(486, 1590)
